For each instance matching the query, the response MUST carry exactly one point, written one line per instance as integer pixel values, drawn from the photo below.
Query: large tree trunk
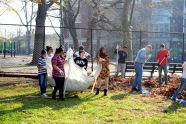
(127, 35)
(39, 32)
(73, 33)
(70, 20)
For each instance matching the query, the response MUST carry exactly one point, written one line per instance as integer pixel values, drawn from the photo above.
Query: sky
(9, 16)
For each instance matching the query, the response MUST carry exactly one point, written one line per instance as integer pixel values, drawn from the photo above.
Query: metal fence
(13, 41)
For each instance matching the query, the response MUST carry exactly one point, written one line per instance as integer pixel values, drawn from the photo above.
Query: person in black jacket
(81, 60)
(122, 55)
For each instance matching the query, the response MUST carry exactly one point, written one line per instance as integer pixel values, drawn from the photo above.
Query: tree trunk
(61, 39)
(98, 34)
(73, 33)
(28, 39)
(39, 32)
(127, 35)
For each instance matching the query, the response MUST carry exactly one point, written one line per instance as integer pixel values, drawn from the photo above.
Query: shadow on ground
(35, 102)
(174, 107)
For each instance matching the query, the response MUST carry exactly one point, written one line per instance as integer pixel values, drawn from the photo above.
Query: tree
(26, 19)
(126, 26)
(68, 12)
(39, 41)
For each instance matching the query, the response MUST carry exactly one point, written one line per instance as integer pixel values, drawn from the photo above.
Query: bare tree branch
(53, 27)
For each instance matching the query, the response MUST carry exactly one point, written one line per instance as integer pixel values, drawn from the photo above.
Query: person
(42, 73)
(49, 56)
(140, 60)
(183, 83)
(162, 58)
(64, 52)
(81, 48)
(122, 61)
(81, 61)
(62, 47)
(103, 58)
(58, 73)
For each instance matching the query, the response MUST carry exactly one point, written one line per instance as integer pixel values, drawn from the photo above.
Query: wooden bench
(151, 67)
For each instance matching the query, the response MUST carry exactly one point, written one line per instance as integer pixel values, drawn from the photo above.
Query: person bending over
(183, 83)
(140, 60)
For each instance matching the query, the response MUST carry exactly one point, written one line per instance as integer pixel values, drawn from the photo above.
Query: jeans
(139, 72)
(182, 86)
(121, 67)
(60, 82)
(164, 68)
(42, 82)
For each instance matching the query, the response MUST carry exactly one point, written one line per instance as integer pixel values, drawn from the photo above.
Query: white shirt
(184, 70)
(49, 63)
(77, 54)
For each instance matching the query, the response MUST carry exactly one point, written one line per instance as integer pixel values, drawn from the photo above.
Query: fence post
(91, 38)
(183, 47)
(14, 49)
(11, 48)
(140, 39)
(4, 51)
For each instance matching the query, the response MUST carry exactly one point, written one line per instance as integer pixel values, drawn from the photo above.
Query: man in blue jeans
(139, 63)
(162, 58)
(183, 83)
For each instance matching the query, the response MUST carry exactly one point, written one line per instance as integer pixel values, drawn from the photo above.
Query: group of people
(142, 57)
(50, 64)
(162, 59)
(53, 65)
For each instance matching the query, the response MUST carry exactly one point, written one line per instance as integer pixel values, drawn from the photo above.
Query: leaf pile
(153, 84)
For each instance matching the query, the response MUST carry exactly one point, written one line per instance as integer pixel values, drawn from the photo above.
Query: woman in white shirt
(81, 48)
(49, 57)
(183, 83)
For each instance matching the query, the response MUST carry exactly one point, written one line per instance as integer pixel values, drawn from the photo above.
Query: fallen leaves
(152, 83)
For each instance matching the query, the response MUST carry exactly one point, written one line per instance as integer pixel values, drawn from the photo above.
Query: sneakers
(134, 89)
(44, 94)
(174, 99)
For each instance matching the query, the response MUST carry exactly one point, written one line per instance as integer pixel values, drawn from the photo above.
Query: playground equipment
(8, 48)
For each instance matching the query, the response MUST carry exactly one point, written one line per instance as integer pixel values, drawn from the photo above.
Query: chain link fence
(16, 53)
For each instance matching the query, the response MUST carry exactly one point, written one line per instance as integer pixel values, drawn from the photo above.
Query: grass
(117, 108)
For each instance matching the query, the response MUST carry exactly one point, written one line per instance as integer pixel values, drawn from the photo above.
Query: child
(103, 58)
(81, 61)
(183, 83)
(42, 73)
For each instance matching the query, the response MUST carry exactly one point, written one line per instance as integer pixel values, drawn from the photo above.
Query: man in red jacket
(162, 58)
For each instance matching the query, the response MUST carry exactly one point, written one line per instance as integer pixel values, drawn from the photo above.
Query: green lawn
(118, 108)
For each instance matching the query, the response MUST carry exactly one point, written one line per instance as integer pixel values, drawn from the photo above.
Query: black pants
(59, 86)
